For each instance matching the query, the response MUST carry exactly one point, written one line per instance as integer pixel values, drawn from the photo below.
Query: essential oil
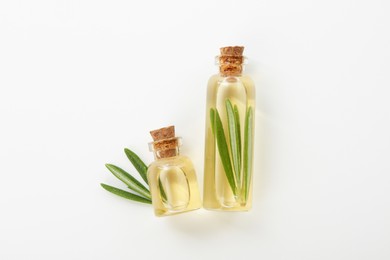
(230, 112)
(171, 176)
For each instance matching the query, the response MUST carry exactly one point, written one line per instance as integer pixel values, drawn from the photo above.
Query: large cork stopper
(165, 142)
(231, 60)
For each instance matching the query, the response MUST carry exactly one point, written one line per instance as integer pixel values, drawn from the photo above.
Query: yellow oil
(173, 186)
(218, 194)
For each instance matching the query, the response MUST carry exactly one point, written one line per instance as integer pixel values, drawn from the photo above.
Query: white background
(81, 80)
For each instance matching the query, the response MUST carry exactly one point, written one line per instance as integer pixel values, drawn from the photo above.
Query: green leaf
(138, 164)
(212, 119)
(224, 152)
(125, 194)
(234, 138)
(162, 191)
(238, 127)
(129, 180)
(248, 150)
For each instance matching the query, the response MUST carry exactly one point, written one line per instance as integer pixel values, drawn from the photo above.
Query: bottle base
(227, 209)
(164, 213)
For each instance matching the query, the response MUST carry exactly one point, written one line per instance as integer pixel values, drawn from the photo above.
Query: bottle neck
(160, 154)
(165, 148)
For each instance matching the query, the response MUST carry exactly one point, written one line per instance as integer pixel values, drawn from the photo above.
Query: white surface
(81, 80)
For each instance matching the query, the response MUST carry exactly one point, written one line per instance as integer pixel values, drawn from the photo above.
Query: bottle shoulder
(218, 79)
(218, 83)
(219, 76)
(176, 161)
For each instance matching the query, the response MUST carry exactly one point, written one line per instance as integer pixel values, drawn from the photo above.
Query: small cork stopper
(164, 141)
(232, 51)
(163, 133)
(231, 60)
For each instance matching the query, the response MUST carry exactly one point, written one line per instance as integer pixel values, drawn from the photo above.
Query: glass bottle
(230, 111)
(171, 176)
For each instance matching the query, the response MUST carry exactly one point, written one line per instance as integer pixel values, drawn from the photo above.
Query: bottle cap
(231, 59)
(165, 142)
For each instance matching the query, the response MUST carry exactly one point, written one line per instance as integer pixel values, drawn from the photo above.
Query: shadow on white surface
(203, 223)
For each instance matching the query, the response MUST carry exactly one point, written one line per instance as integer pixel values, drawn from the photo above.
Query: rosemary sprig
(248, 150)
(125, 194)
(224, 151)
(162, 191)
(238, 127)
(234, 138)
(138, 164)
(238, 170)
(143, 193)
(212, 119)
(129, 180)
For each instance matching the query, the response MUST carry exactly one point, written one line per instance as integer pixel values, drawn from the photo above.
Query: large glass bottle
(230, 113)
(171, 176)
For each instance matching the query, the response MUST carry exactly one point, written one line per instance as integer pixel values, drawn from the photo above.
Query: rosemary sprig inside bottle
(235, 157)
(142, 193)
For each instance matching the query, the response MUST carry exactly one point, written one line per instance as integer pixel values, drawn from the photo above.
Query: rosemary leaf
(212, 119)
(125, 194)
(162, 191)
(238, 127)
(234, 139)
(138, 164)
(248, 150)
(129, 180)
(224, 151)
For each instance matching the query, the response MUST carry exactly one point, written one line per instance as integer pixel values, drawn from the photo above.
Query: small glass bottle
(171, 176)
(230, 109)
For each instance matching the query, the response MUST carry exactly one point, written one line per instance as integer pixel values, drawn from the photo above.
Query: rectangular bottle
(171, 176)
(230, 113)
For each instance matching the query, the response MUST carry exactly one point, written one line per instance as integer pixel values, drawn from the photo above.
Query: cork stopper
(165, 142)
(231, 60)
(232, 50)
(163, 133)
